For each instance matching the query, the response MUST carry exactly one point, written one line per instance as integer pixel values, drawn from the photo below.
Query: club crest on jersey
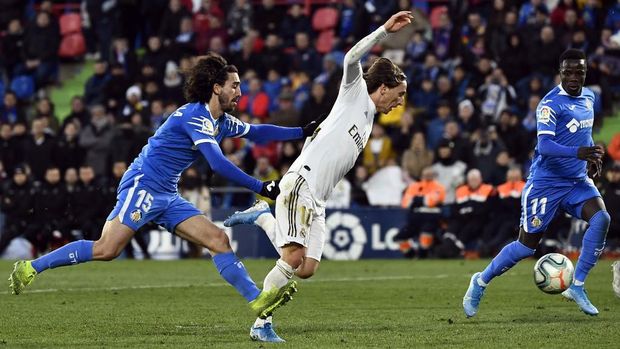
(536, 222)
(589, 105)
(136, 216)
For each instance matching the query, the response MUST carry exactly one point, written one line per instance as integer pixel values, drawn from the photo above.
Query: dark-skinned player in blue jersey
(564, 158)
(148, 190)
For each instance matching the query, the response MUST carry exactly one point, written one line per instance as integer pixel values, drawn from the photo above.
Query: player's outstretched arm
(220, 164)
(353, 68)
(266, 132)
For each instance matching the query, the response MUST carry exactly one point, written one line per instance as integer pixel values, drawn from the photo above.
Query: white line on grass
(221, 284)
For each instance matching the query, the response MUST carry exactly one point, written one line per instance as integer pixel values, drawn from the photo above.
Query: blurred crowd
(476, 72)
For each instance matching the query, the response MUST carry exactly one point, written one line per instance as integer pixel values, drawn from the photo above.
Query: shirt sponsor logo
(575, 125)
(357, 138)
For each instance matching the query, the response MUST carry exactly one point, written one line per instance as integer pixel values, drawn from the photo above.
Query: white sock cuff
(285, 268)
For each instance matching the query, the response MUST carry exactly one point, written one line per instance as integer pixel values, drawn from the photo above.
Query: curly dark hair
(383, 71)
(209, 70)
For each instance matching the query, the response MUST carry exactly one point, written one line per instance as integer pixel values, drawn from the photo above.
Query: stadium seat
(72, 45)
(325, 18)
(325, 41)
(70, 23)
(23, 86)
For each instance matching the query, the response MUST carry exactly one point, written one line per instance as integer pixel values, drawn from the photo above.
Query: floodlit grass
(365, 304)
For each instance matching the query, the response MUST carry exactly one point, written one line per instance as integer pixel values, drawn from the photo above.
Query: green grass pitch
(364, 304)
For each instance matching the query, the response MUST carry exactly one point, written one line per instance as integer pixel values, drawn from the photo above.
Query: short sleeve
(235, 127)
(200, 129)
(546, 118)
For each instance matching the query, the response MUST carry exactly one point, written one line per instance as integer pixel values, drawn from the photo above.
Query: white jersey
(333, 150)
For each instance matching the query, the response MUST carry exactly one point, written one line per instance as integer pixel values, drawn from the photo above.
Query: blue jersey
(173, 148)
(568, 119)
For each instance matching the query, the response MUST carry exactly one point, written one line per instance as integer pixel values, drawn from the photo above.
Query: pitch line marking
(223, 284)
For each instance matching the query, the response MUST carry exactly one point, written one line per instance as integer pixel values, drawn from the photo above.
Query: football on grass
(553, 273)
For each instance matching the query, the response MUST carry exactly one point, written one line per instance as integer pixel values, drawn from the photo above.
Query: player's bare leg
(114, 237)
(198, 229)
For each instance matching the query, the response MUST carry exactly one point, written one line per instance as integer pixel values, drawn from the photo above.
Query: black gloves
(312, 126)
(270, 189)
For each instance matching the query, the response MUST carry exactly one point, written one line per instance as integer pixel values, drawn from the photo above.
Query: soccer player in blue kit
(563, 159)
(148, 190)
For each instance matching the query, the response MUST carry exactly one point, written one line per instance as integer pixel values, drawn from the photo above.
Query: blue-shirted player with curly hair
(148, 190)
(563, 159)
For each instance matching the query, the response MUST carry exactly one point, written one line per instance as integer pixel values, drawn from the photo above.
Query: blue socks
(233, 271)
(72, 253)
(593, 244)
(506, 259)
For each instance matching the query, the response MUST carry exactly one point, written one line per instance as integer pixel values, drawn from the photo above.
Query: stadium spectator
(304, 57)
(10, 110)
(17, 205)
(115, 88)
(67, 151)
(88, 204)
(450, 172)
(171, 21)
(417, 157)
(123, 56)
(435, 129)
(468, 216)
(295, 22)
(317, 105)
(379, 150)
(93, 90)
(239, 19)
(96, 139)
(78, 114)
(422, 200)
(39, 150)
(44, 111)
(9, 149)
(11, 47)
(286, 114)
(265, 172)
(255, 102)
(50, 210)
(504, 222)
(485, 149)
(41, 42)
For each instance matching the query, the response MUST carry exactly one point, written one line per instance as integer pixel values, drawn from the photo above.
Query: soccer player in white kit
(298, 228)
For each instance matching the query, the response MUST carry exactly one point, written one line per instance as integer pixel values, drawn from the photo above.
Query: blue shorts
(541, 199)
(138, 204)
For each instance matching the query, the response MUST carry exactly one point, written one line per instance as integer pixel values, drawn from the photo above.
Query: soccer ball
(553, 273)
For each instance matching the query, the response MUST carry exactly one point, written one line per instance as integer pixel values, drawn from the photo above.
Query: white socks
(281, 273)
(278, 276)
(261, 322)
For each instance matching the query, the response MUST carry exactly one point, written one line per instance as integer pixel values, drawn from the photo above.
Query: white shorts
(299, 219)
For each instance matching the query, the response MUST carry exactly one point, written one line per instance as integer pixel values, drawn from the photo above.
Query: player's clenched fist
(590, 154)
(398, 21)
(270, 189)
